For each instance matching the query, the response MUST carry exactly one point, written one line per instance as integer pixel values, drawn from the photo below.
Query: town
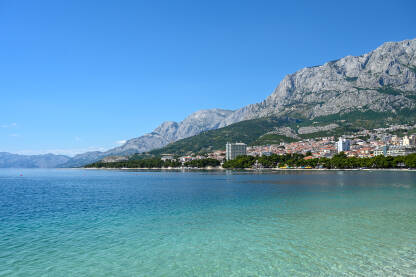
(391, 147)
(365, 144)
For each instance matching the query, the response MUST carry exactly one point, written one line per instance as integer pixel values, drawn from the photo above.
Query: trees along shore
(339, 161)
(155, 163)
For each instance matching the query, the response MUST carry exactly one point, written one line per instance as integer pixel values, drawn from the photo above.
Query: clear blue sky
(79, 75)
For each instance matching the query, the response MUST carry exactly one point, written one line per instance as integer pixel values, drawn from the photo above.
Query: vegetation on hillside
(253, 132)
(268, 139)
(390, 90)
(351, 79)
(245, 131)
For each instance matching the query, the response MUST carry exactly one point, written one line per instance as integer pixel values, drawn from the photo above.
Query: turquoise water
(110, 223)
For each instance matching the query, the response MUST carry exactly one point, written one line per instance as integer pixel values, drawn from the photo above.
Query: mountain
(31, 161)
(246, 131)
(171, 131)
(342, 95)
(383, 80)
(166, 133)
(274, 130)
(83, 159)
(345, 95)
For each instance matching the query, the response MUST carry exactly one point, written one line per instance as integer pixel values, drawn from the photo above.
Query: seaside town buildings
(343, 145)
(409, 140)
(324, 147)
(166, 157)
(394, 150)
(352, 146)
(366, 143)
(233, 150)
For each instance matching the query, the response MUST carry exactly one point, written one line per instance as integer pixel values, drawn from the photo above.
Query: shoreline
(253, 170)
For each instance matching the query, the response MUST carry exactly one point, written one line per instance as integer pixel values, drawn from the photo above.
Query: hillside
(245, 131)
(9, 160)
(272, 130)
(340, 96)
(353, 92)
(383, 80)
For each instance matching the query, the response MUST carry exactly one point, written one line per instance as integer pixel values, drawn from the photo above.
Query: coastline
(252, 169)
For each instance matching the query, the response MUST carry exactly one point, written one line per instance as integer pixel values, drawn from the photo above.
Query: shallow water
(111, 223)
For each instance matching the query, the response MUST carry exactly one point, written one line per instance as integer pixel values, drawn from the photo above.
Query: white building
(394, 150)
(395, 140)
(409, 140)
(343, 145)
(166, 157)
(232, 150)
(381, 150)
(185, 159)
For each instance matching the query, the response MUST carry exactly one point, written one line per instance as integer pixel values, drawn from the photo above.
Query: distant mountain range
(166, 133)
(31, 161)
(380, 82)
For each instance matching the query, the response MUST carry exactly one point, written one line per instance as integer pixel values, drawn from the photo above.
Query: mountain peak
(381, 80)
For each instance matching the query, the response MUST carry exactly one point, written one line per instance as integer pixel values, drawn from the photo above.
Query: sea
(77, 222)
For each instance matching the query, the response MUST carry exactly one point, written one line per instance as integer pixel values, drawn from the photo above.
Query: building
(412, 139)
(232, 150)
(185, 159)
(406, 141)
(381, 151)
(343, 145)
(409, 140)
(113, 159)
(166, 157)
(394, 150)
(395, 140)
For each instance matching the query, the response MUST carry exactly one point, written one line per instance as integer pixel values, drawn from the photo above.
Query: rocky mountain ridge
(170, 131)
(382, 80)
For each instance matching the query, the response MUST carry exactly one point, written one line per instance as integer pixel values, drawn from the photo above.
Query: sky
(87, 75)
